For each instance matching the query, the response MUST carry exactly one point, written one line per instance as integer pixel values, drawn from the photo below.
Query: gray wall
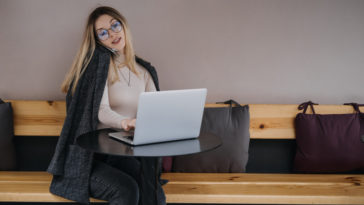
(254, 51)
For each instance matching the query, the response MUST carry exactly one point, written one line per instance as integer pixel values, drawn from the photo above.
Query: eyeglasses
(103, 34)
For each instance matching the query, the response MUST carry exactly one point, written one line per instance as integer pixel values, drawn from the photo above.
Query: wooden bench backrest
(267, 121)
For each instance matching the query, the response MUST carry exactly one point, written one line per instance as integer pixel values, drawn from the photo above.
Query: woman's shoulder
(150, 68)
(141, 61)
(145, 64)
(142, 70)
(100, 54)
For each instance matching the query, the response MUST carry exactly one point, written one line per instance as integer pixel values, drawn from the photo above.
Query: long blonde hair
(86, 51)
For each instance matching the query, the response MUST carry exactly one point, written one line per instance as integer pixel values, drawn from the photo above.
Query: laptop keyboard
(130, 137)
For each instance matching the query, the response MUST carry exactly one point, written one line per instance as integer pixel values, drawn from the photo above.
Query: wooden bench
(45, 118)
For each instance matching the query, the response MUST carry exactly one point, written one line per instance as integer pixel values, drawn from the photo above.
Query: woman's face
(110, 32)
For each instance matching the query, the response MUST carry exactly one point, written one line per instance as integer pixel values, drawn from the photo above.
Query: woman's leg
(144, 176)
(129, 165)
(113, 185)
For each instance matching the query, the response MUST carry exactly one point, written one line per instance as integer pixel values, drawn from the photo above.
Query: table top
(99, 141)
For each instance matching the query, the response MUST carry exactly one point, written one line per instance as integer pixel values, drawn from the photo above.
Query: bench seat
(267, 122)
(233, 188)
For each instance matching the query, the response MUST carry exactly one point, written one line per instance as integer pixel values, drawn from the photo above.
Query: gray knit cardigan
(71, 165)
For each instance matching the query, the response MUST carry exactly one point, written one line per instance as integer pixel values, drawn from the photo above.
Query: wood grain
(264, 188)
(28, 187)
(38, 118)
(233, 188)
(267, 121)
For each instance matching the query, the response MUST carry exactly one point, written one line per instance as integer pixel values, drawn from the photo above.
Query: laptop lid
(169, 115)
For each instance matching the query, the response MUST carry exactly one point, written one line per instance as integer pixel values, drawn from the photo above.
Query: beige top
(120, 101)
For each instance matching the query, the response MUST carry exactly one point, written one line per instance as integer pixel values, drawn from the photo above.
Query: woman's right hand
(128, 124)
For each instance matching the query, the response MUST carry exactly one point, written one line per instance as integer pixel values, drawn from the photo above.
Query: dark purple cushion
(329, 143)
(167, 164)
(361, 127)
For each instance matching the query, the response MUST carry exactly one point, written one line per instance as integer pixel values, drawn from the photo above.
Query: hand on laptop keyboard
(128, 124)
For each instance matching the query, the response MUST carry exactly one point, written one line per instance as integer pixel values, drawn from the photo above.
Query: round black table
(99, 141)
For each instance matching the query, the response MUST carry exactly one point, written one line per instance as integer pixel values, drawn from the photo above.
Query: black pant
(115, 179)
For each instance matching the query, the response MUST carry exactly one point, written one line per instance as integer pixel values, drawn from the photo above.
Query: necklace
(129, 78)
(122, 74)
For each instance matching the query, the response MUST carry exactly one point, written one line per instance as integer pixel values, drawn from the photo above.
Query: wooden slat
(277, 121)
(264, 188)
(263, 194)
(45, 118)
(25, 176)
(248, 178)
(28, 187)
(30, 192)
(38, 118)
(213, 188)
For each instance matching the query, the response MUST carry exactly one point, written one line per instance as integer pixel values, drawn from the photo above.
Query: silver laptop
(166, 116)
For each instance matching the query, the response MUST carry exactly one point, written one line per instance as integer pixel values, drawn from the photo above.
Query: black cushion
(7, 151)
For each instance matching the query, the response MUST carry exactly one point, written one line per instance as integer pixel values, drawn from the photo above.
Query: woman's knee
(129, 196)
(111, 184)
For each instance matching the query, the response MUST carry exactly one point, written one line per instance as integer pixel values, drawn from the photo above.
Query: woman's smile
(116, 41)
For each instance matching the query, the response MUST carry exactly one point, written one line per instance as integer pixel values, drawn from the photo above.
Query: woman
(102, 89)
